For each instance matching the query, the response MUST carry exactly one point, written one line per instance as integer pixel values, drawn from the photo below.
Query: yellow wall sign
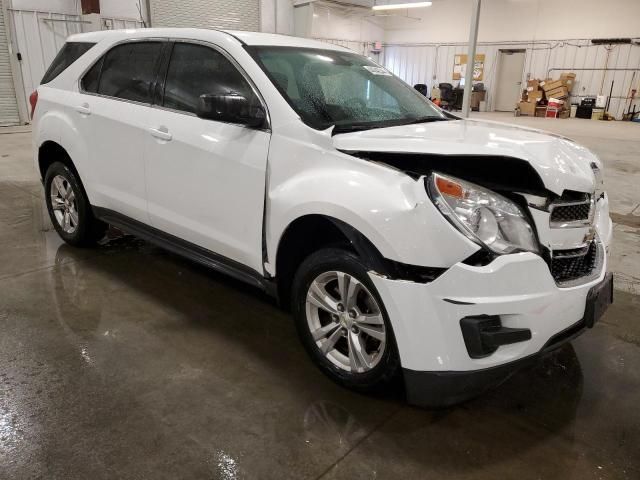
(460, 66)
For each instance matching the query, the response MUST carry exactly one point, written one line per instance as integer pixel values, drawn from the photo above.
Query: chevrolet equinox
(406, 242)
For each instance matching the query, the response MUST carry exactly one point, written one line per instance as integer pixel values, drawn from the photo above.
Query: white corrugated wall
(226, 14)
(109, 23)
(8, 102)
(433, 63)
(356, 46)
(39, 36)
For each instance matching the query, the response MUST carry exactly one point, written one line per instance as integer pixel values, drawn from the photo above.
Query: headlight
(599, 181)
(483, 216)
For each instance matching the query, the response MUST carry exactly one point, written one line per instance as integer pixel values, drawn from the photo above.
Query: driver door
(205, 178)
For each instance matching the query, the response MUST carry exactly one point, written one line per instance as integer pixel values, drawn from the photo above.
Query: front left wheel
(342, 321)
(69, 208)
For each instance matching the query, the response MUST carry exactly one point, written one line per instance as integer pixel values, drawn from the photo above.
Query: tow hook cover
(483, 334)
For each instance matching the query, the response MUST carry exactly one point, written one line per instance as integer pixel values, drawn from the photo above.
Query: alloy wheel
(63, 204)
(345, 321)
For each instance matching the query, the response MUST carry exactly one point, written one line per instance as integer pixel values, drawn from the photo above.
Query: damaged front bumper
(440, 367)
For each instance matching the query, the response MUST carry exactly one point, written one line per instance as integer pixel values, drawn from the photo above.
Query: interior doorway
(509, 80)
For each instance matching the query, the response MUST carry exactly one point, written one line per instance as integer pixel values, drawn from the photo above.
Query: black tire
(340, 260)
(88, 229)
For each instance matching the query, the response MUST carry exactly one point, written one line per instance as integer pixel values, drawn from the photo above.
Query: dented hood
(560, 163)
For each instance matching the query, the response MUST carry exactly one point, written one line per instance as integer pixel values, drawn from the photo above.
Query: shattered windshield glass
(328, 87)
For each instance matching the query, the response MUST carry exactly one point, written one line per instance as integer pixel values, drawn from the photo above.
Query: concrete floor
(128, 362)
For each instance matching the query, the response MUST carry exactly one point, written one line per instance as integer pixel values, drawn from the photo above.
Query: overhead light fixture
(398, 6)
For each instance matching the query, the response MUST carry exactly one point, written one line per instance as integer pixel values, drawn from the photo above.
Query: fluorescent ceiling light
(398, 6)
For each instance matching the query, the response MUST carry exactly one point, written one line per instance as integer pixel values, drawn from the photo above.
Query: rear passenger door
(112, 114)
(205, 178)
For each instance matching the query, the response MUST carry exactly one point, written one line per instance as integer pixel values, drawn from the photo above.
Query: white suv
(404, 240)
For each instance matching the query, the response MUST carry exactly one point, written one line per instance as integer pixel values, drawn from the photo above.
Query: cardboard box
(535, 96)
(533, 85)
(476, 98)
(569, 80)
(552, 85)
(560, 92)
(564, 114)
(527, 108)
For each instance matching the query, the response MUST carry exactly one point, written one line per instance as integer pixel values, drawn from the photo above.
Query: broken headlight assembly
(485, 217)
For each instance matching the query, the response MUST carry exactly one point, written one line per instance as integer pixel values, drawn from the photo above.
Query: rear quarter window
(69, 53)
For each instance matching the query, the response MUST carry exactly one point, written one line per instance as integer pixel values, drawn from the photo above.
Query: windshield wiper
(358, 127)
(426, 120)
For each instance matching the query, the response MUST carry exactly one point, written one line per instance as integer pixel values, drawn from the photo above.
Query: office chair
(448, 96)
(422, 88)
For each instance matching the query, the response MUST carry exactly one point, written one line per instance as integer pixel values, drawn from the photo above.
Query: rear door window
(127, 71)
(69, 53)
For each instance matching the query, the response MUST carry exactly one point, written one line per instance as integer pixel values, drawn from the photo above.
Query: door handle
(83, 109)
(161, 133)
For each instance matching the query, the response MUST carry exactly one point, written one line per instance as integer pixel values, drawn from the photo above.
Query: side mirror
(232, 108)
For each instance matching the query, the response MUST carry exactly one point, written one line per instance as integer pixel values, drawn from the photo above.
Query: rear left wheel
(69, 208)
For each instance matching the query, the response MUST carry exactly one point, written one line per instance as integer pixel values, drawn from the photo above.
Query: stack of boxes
(532, 98)
(549, 94)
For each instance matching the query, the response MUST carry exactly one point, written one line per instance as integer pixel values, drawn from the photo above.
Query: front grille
(570, 213)
(572, 252)
(568, 266)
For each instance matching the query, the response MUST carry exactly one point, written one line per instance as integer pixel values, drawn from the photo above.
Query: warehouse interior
(126, 361)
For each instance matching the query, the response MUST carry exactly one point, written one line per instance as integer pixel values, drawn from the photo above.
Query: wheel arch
(56, 138)
(311, 232)
(51, 151)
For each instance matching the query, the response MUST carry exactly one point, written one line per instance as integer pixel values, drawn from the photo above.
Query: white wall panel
(447, 21)
(277, 16)
(433, 64)
(358, 47)
(331, 22)
(57, 6)
(123, 9)
(39, 36)
(107, 23)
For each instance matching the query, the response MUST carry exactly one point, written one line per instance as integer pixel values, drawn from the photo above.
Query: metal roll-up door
(225, 14)
(8, 103)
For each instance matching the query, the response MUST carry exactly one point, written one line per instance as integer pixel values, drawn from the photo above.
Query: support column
(471, 58)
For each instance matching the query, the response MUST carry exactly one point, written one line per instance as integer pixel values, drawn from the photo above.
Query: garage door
(8, 104)
(226, 14)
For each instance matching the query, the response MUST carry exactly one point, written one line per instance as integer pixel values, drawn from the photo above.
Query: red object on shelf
(552, 112)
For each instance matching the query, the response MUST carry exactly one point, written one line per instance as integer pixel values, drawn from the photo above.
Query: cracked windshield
(345, 90)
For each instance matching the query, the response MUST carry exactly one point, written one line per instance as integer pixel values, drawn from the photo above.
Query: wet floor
(125, 361)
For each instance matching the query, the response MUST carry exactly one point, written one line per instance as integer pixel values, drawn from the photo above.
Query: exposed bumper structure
(518, 289)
